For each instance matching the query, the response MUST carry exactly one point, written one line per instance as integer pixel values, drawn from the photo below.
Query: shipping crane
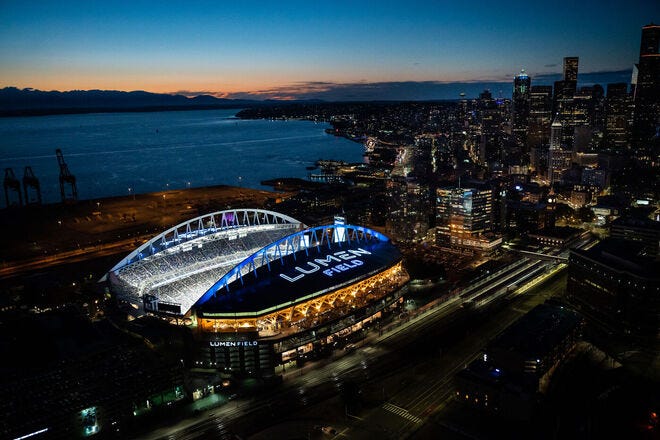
(11, 184)
(30, 181)
(66, 178)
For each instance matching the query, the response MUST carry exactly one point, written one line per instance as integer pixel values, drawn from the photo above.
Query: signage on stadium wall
(330, 265)
(153, 304)
(233, 343)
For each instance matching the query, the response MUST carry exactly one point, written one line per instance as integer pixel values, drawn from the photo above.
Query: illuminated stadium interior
(175, 268)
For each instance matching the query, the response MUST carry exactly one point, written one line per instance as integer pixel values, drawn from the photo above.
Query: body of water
(119, 153)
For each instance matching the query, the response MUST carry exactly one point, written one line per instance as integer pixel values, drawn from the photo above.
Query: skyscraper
(564, 99)
(559, 159)
(463, 214)
(617, 116)
(490, 119)
(565, 89)
(538, 132)
(571, 68)
(520, 106)
(647, 90)
(540, 116)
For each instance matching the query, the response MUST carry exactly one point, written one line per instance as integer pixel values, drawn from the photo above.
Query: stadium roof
(205, 225)
(175, 268)
(297, 268)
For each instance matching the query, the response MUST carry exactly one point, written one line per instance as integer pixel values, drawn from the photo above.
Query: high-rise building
(571, 68)
(463, 216)
(490, 119)
(520, 106)
(538, 131)
(581, 119)
(647, 90)
(559, 158)
(564, 99)
(617, 117)
(565, 89)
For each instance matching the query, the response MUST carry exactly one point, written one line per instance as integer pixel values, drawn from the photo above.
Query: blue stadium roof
(297, 268)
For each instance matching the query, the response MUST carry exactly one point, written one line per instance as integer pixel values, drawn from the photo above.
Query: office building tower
(564, 99)
(566, 88)
(618, 112)
(559, 158)
(571, 68)
(464, 218)
(520, 107)
(540, 115)
(598, 110)
(490, 120)
(647, 89)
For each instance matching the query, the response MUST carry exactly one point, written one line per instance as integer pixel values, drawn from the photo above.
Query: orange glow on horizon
(279, 85)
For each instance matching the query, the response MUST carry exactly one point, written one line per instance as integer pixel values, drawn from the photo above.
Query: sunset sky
(271, 49)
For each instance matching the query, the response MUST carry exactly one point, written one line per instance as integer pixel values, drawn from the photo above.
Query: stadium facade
(259, 288)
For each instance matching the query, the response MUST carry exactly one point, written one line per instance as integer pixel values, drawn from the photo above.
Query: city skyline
(298, 51)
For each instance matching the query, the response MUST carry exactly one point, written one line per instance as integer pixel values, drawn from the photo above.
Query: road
(425, 391)
(67, 257)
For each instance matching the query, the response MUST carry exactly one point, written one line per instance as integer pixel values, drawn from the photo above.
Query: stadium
(259, 288)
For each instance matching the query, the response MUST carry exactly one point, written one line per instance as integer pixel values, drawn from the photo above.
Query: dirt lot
(32, 233)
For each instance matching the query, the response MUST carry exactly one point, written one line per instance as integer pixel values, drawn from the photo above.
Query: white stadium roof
(179, 265)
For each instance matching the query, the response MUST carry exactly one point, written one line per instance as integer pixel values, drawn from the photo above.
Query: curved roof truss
(202, 226)
(274, 253)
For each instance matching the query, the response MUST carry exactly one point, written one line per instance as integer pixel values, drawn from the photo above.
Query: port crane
(30, 182)
(11, 184)
(66, 179)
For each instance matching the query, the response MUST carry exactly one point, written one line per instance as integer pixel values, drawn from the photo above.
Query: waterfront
(132, 153)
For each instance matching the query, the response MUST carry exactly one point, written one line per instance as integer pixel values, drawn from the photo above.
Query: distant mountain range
(24, 102)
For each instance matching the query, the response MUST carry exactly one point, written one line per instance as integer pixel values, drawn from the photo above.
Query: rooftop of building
(486, 374)
(636, 222)
(538, 332)
(562, 232)
(526, 205)
(611, 201)
(623, 256)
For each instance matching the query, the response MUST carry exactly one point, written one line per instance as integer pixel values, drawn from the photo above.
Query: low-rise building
(517, 365)
(617, 284)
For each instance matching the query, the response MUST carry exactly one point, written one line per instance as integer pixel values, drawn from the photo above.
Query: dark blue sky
(301, 49)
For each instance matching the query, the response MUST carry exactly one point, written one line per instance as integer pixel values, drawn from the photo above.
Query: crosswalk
(401, 412)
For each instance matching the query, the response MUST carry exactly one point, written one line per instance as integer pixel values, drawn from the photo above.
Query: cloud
(587, 79)
(370, 91)
(193, 93)
(500, 86)
(551, 65)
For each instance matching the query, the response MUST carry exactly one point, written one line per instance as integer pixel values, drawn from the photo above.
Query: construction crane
(30, 181)
(66, 178)
(11, 183)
